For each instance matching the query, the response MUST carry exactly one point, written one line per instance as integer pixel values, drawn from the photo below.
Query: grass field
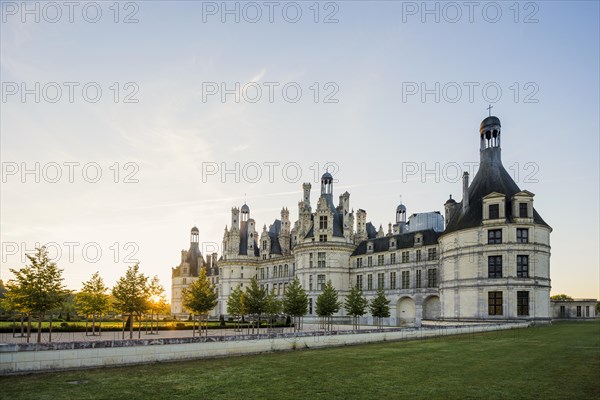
(561, 361)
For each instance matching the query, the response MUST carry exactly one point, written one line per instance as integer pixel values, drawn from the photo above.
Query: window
(432, 277)
(321, 260)
(495, 236)
(418, 279)
(579, 311)
(405, 256)
(370, 261)
(359, 262)
(369, 282)
(380, 259)
(494, 211)
(418, 255)
(562, 311)
(310, 260)
(380, 281)
(494, 303)
(522, 235)
(320, 282)
(280, 271)
(262, 273)
(184, 281)
(284, 287)
(322, 238)
(522, 303)
(495, 267)
(587, 311)
(359, 282)
(310, 283)
(523, 266)
(274, 271)
(392, 280)
(323, 222)
(310, 306)
(185, 270)
(523, 210)
(431, 254)
(393, 258)
(286, 270)
(405, 279)
(264, 245)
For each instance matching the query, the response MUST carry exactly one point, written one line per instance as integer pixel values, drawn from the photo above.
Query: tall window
(310, 282)
(392, 280)
(522, 235)
(310, 306)
(405, 279)
(359, 282)
(370, 261)
(380, 280)
(280, 271)
(359, 262)
(418, 255)
(495, 236)
(432, 277)
(286, 270)
(322, 222)
(264, 245)
(322, 238)
(369, 282)
(494, 211)
(320, 281)
(321, 259)
(523, 266)
(431, 254)
(262, 273)
(274, 271)
(310, 260)
(523, 210)
(405, 256)
(380, 259)
(393, 258)
(494, 303)
(579, 311)
(495, 267)
(418, 279)
(522, 303)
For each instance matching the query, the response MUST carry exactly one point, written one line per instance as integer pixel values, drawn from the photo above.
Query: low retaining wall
(37, 357)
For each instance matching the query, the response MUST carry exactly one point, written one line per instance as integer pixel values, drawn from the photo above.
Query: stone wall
(37, 357)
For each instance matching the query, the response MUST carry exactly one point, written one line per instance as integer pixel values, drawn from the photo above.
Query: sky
(123, 126)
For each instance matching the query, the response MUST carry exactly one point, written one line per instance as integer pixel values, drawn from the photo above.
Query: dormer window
(323, 222)
(523, 210)
(494, 211)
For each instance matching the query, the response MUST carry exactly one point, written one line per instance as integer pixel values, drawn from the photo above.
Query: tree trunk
(28, 327)
(39, 334)
(131, 326)
(50, 330)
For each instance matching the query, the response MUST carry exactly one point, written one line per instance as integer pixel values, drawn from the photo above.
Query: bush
(64, 324)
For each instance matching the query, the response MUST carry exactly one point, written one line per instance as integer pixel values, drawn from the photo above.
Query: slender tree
(38, 287)
(328, 304)
(356, 305)
(200, 297)
(295, 302)
(256, 300)
(380, 307)
(131, 294)
(236, 304)
(273, 307)
(158, 301)
(93, 300)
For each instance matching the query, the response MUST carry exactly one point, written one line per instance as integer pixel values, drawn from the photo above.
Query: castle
(486, 258)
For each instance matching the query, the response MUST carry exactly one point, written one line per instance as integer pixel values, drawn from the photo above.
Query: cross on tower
(490, 109)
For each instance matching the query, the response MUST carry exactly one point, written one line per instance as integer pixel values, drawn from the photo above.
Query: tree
(380, 307)
(561, 297)
(158, 301)
(236, 303)
(328, 304)
(131, 294)
(356, 304)
(273, 306)
(256, 300)
(37, 288)
(295, 302)
(200, 297)
(93, 299)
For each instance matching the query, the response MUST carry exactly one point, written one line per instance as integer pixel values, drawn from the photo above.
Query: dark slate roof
(192, 258)
(371, 231)
(403, 241)
(274, 230)
(491, 177)
(244, 240)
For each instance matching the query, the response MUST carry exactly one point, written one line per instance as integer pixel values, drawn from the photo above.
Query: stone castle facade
(486, 258)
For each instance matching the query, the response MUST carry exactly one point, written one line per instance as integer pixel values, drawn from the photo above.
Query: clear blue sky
(371, 56)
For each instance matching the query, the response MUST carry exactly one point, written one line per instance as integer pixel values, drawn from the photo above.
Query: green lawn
(561, 361)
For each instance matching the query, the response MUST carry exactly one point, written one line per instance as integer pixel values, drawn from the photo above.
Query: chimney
(465, 199)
